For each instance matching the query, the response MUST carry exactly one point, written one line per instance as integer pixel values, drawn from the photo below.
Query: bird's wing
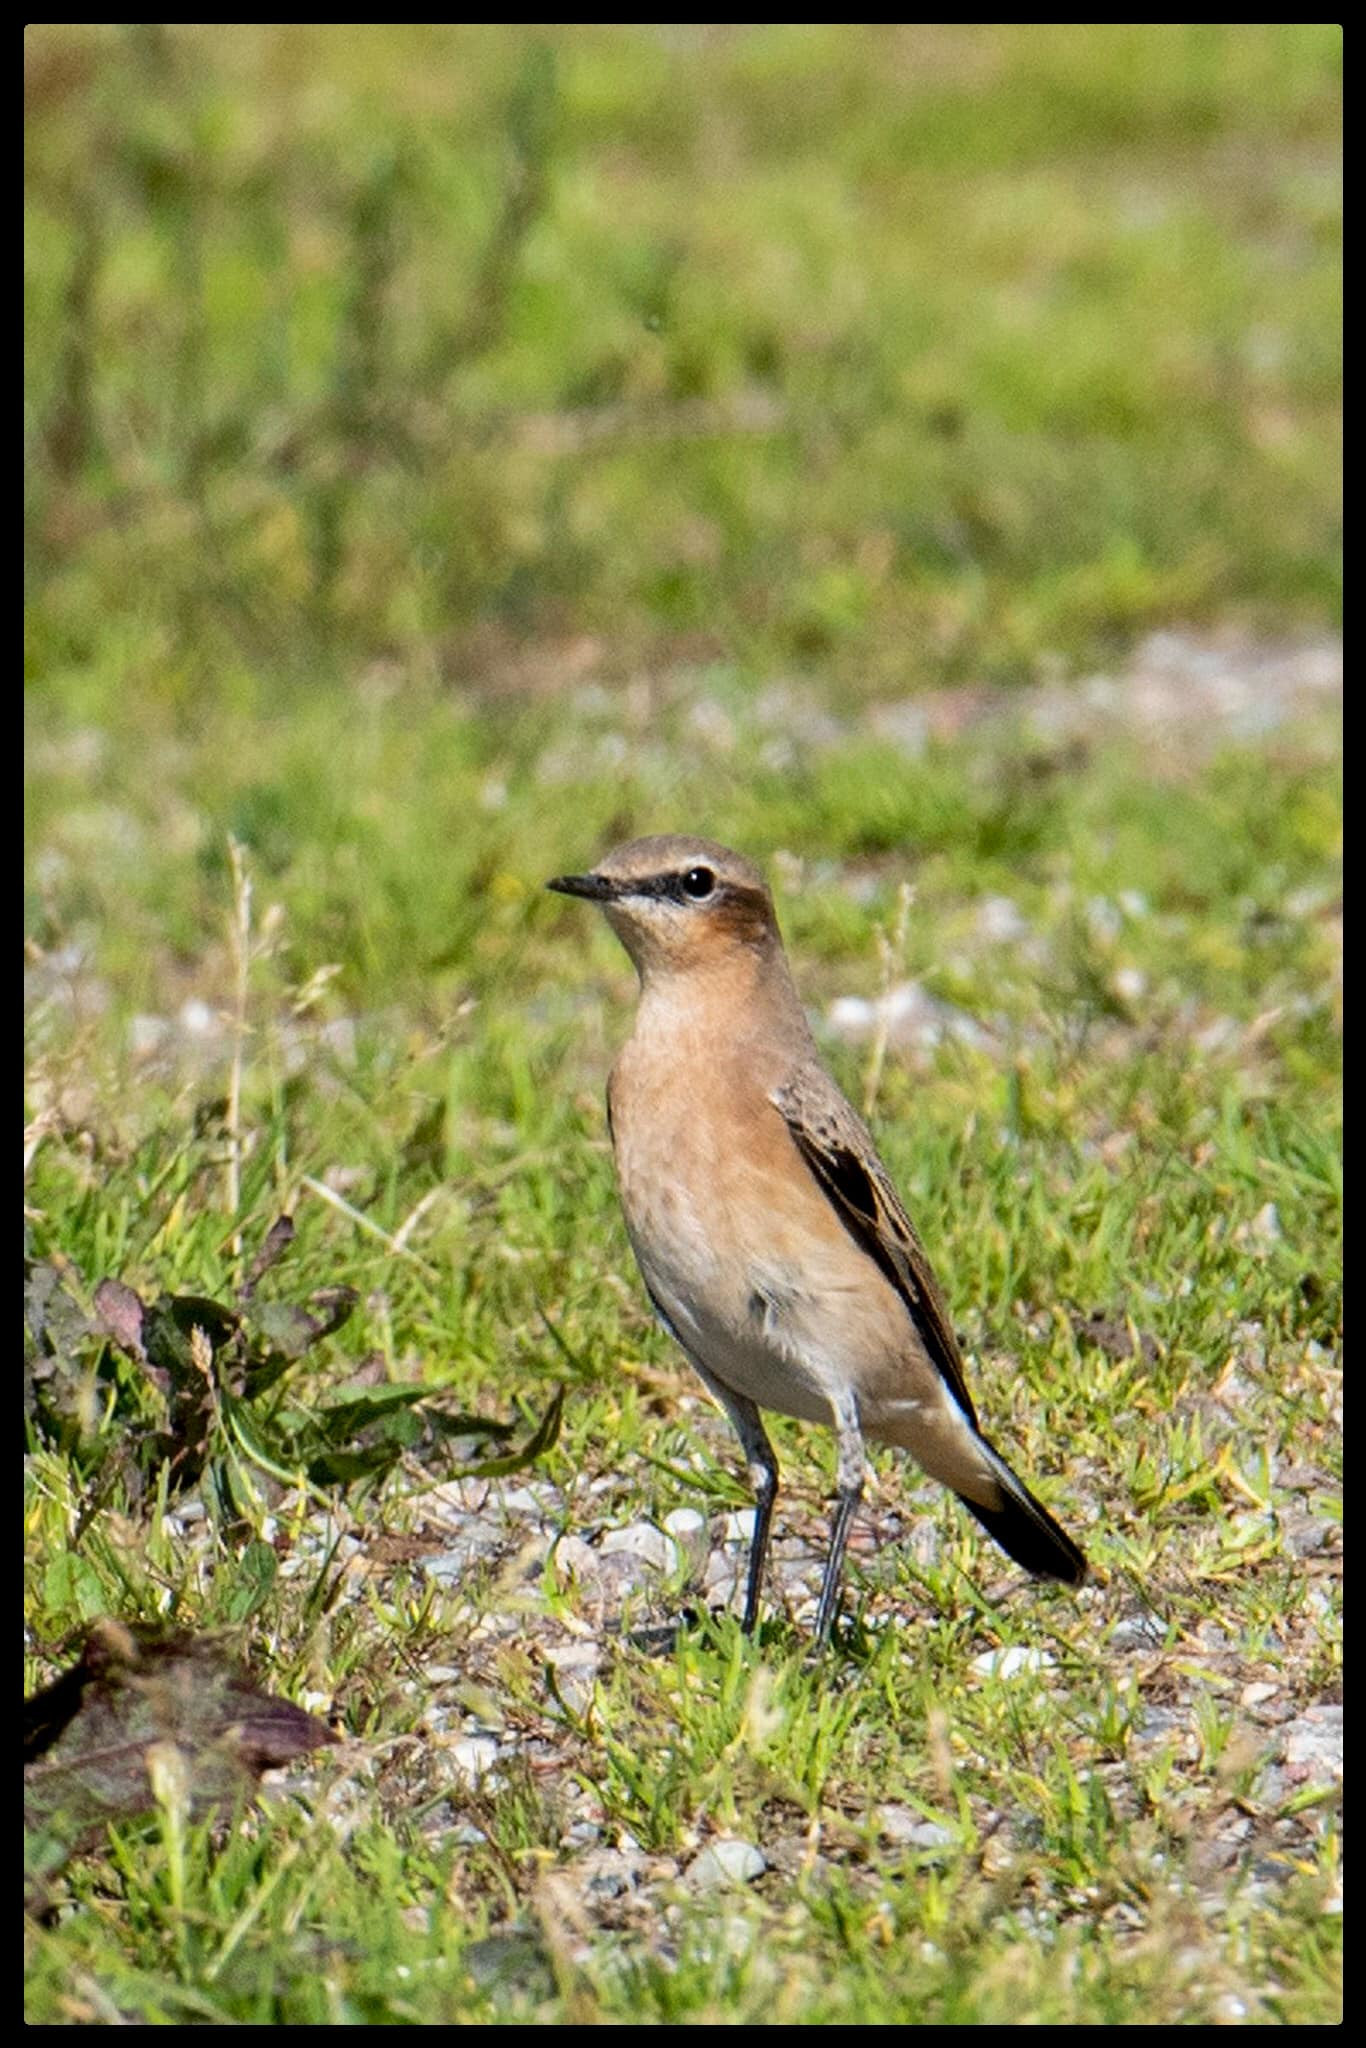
(837, 1147)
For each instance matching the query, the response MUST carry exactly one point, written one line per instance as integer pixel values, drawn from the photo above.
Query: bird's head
(678, 905)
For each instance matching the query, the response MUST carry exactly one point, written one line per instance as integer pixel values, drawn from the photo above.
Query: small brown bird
(769, 1235)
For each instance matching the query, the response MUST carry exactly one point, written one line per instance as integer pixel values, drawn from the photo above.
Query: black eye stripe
(744, 907)
(675, 888)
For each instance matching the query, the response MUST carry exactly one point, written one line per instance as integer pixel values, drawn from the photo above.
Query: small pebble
(474, 1756)
(725, 1863)
(1138, 1632)
(689, 1531)
(1314, 1745)
(1011, 1662)
(1255, 1694)
(899, 1824)
(642, 1540)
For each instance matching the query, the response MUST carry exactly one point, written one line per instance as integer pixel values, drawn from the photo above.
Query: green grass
(884, 353)
(450, 453)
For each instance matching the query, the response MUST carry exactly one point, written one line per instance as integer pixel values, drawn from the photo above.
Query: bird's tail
(1023, 1526)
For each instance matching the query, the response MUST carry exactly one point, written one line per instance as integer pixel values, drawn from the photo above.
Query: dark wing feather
(837, 1147)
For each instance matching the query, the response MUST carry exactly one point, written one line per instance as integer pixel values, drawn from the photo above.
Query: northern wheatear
(768, 1232)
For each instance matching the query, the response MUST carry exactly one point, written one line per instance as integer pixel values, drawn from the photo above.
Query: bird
(772, 1242)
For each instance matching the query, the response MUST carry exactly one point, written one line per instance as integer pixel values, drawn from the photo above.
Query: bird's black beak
(595, 887)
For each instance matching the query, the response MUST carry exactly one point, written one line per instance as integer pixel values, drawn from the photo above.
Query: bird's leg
(849, 1433)
(763, 1477)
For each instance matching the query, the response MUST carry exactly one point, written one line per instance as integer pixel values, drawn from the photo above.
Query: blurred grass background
(902, 353)
(451, 449)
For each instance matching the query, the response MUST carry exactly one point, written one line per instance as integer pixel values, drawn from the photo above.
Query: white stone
(474, 1756)
(574, 1559)
(901, 1825)
(642, 1540)
(1011, 1662)
(728, 1862)
(689, 1531)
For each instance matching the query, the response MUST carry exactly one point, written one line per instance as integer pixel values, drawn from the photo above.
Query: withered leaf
(279, 1238)
(56, 1321)
(57, 1367)
(120, 1311)
(87, 1736)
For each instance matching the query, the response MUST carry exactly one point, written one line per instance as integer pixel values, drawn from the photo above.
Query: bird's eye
(698, 883)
